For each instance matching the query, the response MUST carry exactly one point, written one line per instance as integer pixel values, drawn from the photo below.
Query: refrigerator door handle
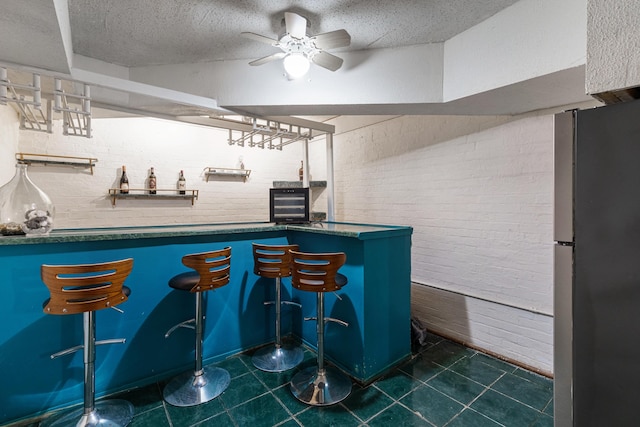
(563, 334)
(563, 159)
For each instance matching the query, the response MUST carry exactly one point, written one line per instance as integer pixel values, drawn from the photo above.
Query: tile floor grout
(472, 388)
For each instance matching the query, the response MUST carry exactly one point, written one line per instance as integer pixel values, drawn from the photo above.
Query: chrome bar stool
(274, 262)
(203, 384)
(319, 385)
(86, 288)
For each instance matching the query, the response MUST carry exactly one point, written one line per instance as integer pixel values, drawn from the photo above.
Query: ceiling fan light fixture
(296, 65)
(299, 49)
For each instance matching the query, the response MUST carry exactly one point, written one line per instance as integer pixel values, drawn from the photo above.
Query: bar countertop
(360, 231)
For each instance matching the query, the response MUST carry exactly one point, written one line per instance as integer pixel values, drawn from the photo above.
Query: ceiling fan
(298, 48)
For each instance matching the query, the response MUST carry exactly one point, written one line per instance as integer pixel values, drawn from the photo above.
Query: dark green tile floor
(444, 384)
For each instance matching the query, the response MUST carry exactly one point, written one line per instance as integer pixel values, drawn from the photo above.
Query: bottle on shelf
(182, 184)
(124, 181)
(301, 170)
(152, 182)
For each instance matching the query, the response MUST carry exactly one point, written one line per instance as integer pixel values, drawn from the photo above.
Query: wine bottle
(301, 170)
(124, 181)
(182, 184)
(152, 182)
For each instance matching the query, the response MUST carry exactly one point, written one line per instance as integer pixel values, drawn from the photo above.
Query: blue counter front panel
(374, 303)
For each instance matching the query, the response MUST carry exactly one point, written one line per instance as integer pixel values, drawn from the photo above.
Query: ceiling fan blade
(332, 39)
(295, 25)
(327, 60)
(269, 58)
(262, 39)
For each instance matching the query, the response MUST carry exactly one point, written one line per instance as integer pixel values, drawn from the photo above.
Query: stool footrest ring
(329, 319)
(338, 321)
(81, 346)
(186, 324)
(297, 304)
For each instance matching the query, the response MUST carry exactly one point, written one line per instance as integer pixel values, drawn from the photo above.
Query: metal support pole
(57, 94)
(330, 186)
(305, 169)
(198, 327)
(278, 311)
(320, 331)
(37, 100)
(89, 331)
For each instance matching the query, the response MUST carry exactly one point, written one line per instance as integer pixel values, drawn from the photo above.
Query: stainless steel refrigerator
(597, 267)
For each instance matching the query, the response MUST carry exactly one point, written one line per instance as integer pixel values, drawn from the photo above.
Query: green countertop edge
(150, 232)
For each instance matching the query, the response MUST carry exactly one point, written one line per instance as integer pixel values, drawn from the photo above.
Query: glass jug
(24, 208)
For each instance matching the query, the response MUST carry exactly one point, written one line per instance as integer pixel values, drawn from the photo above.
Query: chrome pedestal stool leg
(279, 357)
(320, 385)
(114, 412)
(203, 384)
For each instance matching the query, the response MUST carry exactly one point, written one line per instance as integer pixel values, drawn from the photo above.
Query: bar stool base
(188, 389)
(112, 413)
(277, 359)
(320, 388)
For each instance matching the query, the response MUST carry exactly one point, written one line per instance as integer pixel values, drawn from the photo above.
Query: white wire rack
(75, 109)
(36, 113)
(269, 134)
(28, 100)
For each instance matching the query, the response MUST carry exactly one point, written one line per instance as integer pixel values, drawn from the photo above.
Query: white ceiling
(187, 57)
(136, 33)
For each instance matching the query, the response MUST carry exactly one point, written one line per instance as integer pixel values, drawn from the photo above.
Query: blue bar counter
(375, 303)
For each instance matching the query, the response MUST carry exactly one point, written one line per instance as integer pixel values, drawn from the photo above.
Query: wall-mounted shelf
(49, 159)
(227, 172)
(143, 193)
(298, 184)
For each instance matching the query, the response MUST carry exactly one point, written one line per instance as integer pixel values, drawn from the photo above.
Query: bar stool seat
(319, 385)
(86, 288)
(274, 262)
(204, 383)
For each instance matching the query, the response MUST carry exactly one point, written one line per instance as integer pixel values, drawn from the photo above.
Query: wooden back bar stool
(319, 385)
(274, 262)
(203, 384)
(86, 288)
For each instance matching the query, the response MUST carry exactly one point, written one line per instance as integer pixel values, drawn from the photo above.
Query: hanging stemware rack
(269, 134)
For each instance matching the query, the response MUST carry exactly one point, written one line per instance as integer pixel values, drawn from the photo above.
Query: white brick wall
(514, 334)
(8, 143)
(478, 192)
(139, 143)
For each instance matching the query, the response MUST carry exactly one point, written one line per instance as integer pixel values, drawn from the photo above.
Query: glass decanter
(24, 208)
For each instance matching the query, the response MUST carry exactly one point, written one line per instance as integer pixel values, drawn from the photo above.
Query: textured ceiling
(153, 32)
(196, 55)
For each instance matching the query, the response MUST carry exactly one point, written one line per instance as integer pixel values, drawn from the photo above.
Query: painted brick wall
(8, 143)
(139, 143)
(478, 192)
